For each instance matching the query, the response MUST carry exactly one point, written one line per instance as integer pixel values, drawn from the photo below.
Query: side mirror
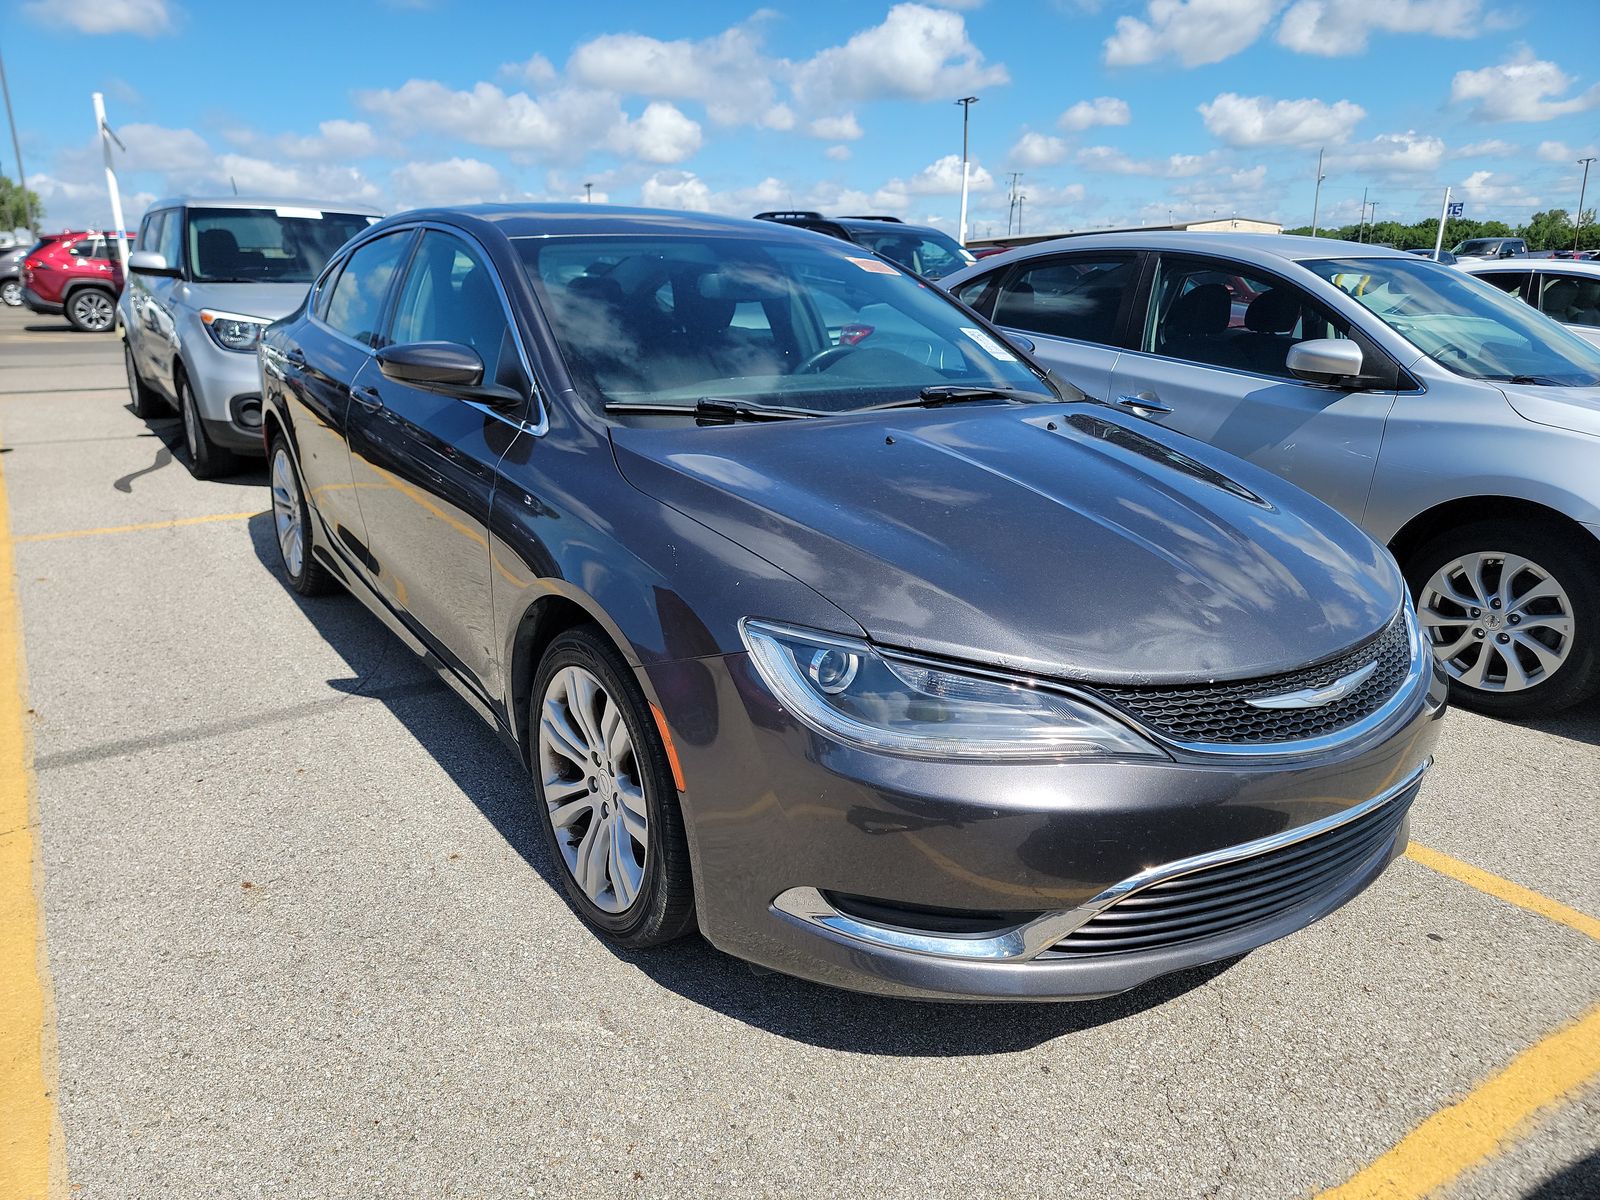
(148, 262)
(1325, 361)
(446, 367)
(1020, 342)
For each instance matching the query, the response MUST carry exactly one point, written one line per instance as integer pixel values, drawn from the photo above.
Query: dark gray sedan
(826, 622)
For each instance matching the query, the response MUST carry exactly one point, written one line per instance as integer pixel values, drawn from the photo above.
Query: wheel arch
(1452, 514)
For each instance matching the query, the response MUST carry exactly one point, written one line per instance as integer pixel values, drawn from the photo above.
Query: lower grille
(1221, 714)
(1237, 892)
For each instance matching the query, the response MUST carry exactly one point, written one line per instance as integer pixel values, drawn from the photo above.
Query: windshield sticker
(873, 265)
(309, 213)
(995, 349)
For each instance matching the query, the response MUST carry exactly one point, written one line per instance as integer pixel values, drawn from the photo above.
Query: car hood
(269, 301)
(1056, 539)
(1572, 408)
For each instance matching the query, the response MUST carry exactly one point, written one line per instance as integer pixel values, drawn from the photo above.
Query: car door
(1073, 308)
(1211, 363)
(155, 342)
(1573, 299)
(320, 365)
(1510, 281)
(424, 460)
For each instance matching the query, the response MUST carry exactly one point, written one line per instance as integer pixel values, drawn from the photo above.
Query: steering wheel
(824, 358)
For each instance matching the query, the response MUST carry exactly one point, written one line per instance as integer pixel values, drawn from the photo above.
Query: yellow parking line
(1483, 1121)
(30, 1136)
(176, 523)
(1504, 889)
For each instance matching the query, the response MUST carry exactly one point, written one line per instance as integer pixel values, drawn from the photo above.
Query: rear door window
(1513, 283)
(1570, 299)
(1075, 296)
(355, 308)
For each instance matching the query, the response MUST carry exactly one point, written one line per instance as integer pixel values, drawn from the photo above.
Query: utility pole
(1316, 199)
(1021, 196)
(1582, 188)
(1372, 225)
(1444, 209)
(106, 138)
(588, 193)
(1011, 207)
(1361, 233)
(16, 147)
(966, 103)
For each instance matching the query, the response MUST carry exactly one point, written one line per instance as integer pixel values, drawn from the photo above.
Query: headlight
(848, 691)
(231, 331)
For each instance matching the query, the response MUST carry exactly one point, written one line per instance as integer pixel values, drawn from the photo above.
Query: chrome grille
(1240, 891)
(1221, 715)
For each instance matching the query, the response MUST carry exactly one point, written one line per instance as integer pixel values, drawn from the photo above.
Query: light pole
(588, 193)
(1582, 188)
(1361, 234)
(966, 103)
(16, 147)
(1316, 199)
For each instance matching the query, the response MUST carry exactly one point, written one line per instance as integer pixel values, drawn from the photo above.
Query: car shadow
(168, 431)
(1580, 723)
(490, 775)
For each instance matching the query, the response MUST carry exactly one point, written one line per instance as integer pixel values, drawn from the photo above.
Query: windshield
(931, 255)
(673, 320)
(1464, 324)
(266, 245)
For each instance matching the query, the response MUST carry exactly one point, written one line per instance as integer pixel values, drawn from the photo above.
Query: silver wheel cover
(93, 309)
(1498, 622)
(593, 789)
(11, 293)
(286, 513)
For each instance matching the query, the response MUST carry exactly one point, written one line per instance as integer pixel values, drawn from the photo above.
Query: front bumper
(38, 304)
(227, 387)
(782, 823)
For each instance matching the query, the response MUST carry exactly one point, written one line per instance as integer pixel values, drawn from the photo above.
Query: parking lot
(302, 940)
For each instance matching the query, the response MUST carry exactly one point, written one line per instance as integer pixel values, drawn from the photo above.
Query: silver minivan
(208, 275)
(1456, 425)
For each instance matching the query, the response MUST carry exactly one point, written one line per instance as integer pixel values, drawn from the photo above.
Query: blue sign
(1456, 209)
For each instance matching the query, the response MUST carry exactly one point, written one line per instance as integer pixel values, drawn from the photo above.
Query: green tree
(19, 208)
(1550, 230)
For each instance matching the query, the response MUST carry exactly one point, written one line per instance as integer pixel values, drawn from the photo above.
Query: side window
(971, 292)
(170, 245)
(450, 296)
(1570, 299)
(1513, 283)
(1211, 313)
(355, 308)
(1076, 297)
(89, 247)
(147, 236)
(325, 291)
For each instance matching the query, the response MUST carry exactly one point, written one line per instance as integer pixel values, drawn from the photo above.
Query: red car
(74, 273)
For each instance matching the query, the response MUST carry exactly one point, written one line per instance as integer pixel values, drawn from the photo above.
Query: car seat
(1270, 322)
(1197, 324)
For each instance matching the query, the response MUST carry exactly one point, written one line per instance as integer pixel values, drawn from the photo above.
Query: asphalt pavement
(303, 939)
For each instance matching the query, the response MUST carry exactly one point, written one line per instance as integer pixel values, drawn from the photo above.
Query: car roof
(339, 206)
(1581, 266)
(566, 220)
(1257, 246)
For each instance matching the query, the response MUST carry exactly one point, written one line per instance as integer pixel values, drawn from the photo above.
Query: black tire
(663, 909)
(11, 292)
(147, 402)
(92, 310)
(1568, 558)
(207, 460)
(311, 578)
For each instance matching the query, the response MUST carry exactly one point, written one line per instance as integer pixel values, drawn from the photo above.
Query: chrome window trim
(1025, 942)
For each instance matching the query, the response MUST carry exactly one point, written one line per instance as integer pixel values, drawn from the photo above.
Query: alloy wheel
(11, 293)
(1498, 622)
(286, 512)
(593, 788)
(93, 310)
(191, 420)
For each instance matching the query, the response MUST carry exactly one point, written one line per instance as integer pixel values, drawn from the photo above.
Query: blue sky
(1115, 111)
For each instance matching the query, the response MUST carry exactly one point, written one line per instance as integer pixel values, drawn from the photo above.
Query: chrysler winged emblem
(1316, 697)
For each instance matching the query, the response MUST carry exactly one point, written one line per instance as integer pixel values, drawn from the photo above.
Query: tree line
(1550, 230)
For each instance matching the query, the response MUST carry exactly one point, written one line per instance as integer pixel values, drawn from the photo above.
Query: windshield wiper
(940, 394)
(711, 408)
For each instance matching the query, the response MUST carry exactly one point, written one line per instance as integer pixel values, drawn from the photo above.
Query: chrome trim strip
(1025, 942)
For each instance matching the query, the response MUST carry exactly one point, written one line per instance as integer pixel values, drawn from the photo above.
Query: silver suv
(208, 276)
(1457, 426)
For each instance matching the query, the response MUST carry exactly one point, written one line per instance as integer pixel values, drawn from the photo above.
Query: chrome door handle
(1144, 402)
(367, 397)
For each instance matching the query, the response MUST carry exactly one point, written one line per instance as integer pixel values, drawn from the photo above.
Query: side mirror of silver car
(148, 262)
(1325, 360)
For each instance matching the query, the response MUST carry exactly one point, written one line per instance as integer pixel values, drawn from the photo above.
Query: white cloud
(145, 17)
(1037, 150)
(453, 181)
(335, 140)
(1260, 121)
(1496, 191)
(157, 148)
(1393, 154)
(1115, 162)
(1192, 31)
(836, 129)
(838, 153)
(943, 178)
(1102, 110)
(779, 116)
(538, 71)
(1523, 88)
(1336, 27)
(662, 134)
(562, 124)
(727, 73)
(1492, 148)
(917, 53)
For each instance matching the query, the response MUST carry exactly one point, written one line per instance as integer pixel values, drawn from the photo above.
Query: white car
(1567, 290)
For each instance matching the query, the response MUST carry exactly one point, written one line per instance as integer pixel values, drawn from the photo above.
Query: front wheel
(607, 802)
(207, 460)
(1513, 611)
(291, 522)
(91, 311)
(11, 293)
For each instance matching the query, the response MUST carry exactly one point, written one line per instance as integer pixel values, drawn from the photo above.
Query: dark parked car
(11, 275)
(920, 248)
(824, 622)
(1443, 256)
